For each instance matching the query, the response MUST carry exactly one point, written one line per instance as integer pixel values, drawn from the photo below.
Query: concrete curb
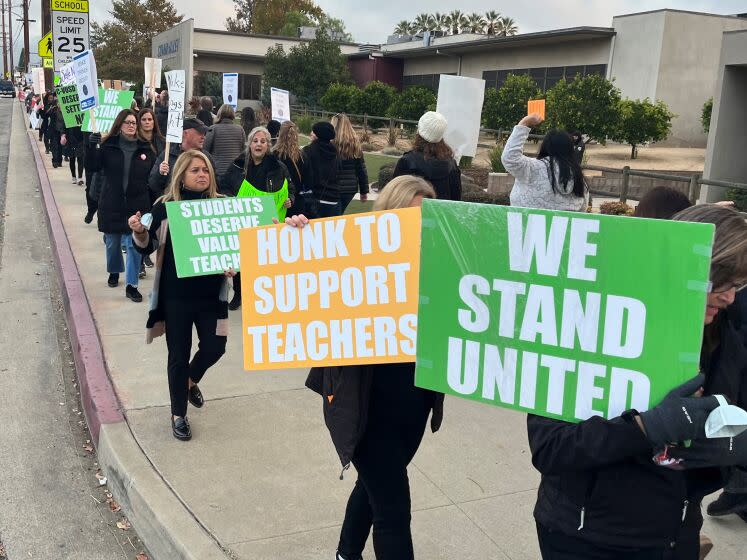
(164, 523)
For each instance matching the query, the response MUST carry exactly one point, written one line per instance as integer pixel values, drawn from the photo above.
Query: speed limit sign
(69, 30)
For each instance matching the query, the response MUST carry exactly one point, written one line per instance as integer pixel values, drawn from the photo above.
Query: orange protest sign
(536, 106)
(339, 291)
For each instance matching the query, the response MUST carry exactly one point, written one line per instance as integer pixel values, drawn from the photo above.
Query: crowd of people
(601, 495)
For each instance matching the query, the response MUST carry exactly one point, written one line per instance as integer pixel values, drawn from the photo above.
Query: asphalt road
(52, 505)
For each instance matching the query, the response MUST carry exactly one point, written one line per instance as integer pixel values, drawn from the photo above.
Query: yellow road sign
(48, 63)
(45, 46)
(80, 6)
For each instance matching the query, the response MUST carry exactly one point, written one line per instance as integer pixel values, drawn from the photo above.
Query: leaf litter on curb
(124, 524)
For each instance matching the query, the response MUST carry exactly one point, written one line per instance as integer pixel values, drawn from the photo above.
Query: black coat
(346, 393)
(323, 164)
(268, 177)
(115, 205)
(443, 174)
(157, 182)
(604, 467)
(352, 176)
(162, 117)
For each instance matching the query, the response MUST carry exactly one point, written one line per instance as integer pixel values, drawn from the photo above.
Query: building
(671, 55)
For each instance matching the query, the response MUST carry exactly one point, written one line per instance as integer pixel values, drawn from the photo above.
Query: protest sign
(559, 314)
(34, 120)
(204, 232)
(86, 79)
(67, 75)
(231, 89)
(67, 98)
(38, 80)
(460, 101)
(175, 83)
(536, 106)
(152, 70)
(110, 103)
(339, 291)
(280, 100)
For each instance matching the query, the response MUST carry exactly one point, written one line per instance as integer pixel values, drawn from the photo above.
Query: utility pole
(26, 23)
(46, 21)
(10, 37)
(5, 48)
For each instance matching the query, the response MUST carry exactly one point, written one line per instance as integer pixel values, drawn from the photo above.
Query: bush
(374, 99)
(339, 98)
(616, 208)
(411, 103)
(386, 173)
(481, 197)
(739, 197)
(368, 147)
(642, 121)
(304, 123)
(465, 162)
(705, 115)
(505, 106)
(392, 151)
(496, 165)
(470, 187)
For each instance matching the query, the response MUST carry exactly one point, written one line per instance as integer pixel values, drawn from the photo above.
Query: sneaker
(235, 302)
(132, 293)
(728, 503)
(147, 262)
(80, 182)
(75, 181)
(141, 274)
(124, 249)
(89, 217)
(113, 280)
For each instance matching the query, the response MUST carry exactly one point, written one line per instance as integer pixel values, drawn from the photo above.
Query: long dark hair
(432, 150)
(117, 124)
(156, 129)
(557, 147)
(248, 119)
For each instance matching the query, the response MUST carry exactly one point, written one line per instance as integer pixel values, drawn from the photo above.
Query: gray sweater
(225, 142)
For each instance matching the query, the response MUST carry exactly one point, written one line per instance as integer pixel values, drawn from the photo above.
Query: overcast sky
(370, 21)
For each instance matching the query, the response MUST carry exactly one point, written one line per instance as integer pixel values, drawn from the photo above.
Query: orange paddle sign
(339, 291)
(536, 106)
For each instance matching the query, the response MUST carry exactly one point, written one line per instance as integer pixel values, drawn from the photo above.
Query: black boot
(728, 503)
(235, 302)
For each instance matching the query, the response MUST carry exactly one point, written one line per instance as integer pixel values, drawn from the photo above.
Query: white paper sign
(34, 120)
(460, 101)
(67, 75)
(152, 67)
(175, 82)
(37, 76)
(280, 99)
(86, 80)
(231, 89)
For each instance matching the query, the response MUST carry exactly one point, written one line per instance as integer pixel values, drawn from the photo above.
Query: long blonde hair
(174, 190)
(287, 146)
(399, 192)
(346, 141)
(248, 154)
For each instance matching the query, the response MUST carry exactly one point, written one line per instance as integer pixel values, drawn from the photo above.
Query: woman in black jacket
(148, 130)
(55, 130)
(75, 143)
(432, 159)
(257, 173)
(601, 495)
(290, 154)
(377, 418)
(352, 176)
(322, 156)
(124, 163)
(178, 304)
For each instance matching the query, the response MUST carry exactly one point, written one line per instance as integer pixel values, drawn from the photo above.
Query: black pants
(180, 316)
(559, 546)
(55, 146)
(81, 166)
(398, 413)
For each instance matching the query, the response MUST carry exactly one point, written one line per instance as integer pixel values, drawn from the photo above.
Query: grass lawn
(358, 206)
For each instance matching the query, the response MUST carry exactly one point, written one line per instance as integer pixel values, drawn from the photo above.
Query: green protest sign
(67, 96)
(205, 232)
(559, 314)
(111, 102)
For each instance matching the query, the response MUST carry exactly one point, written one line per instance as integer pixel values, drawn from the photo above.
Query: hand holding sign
(532, 120)
(536, 106)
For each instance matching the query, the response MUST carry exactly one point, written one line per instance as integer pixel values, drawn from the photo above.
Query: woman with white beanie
(432, 159)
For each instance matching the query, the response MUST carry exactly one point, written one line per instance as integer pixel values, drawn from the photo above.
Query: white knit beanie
(432, 127)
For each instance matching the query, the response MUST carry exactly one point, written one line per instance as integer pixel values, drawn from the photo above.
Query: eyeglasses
(723, 289)
(130, 123)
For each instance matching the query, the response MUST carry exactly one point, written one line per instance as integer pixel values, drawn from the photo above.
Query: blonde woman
(352, 176)
(377, 420)
(178, 304)
(288, 151)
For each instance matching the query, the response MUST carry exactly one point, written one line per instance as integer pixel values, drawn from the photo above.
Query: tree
(505, 106)
(242, 23)
(307, 69)
(121, 44)
(590, 105)
(339, 98)
(456, 21)
(210, 84)
(422, 23)
(705, 115)
(475, 23)
(403, 28)
(336, 28)
(507, 27)
(439, 22)
(294, 20)
(411, 103)
(269, 17)
(374, 99)
(641, 121)
(492, 18)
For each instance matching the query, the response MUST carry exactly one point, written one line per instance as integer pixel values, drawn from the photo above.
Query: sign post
(175, 83)
(70, 31)
(231, 89)
(560, 314)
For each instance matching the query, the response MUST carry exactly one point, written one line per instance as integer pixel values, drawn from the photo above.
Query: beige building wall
(174, 47)
(207, 63)
(636, 53)
(236, 43)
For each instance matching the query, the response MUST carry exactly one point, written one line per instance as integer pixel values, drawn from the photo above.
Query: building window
(544, 77)
(430, 81)
(250, 86)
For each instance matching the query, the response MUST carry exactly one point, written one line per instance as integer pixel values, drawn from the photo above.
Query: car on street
(6, 88)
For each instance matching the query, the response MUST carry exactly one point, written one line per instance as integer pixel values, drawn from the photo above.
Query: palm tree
(507, 27)
(422, 23)
(440, 22)
(475, 23)
(403, 28)
(491, 22)
(457, 21)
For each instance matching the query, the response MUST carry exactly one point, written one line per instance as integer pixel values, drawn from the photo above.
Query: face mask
(146, 220)
(726, 420)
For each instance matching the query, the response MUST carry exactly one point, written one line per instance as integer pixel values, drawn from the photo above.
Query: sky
(371, 21)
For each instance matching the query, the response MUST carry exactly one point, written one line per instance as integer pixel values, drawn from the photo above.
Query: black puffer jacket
(116, 205)
(323, 161)
(443, 174)
(347, 393)
(268, 176)
(600, 484)
(352, 176)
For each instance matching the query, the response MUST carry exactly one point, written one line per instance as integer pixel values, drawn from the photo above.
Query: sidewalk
(260, 478)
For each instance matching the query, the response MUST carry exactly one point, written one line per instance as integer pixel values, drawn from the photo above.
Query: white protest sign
(67, 75)
(37, 76)
(460, 101)
(175, 82)
(152, 67)
(34, 120)
(86, 80)
(280, 104)
(69, 30)
(231, 89)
